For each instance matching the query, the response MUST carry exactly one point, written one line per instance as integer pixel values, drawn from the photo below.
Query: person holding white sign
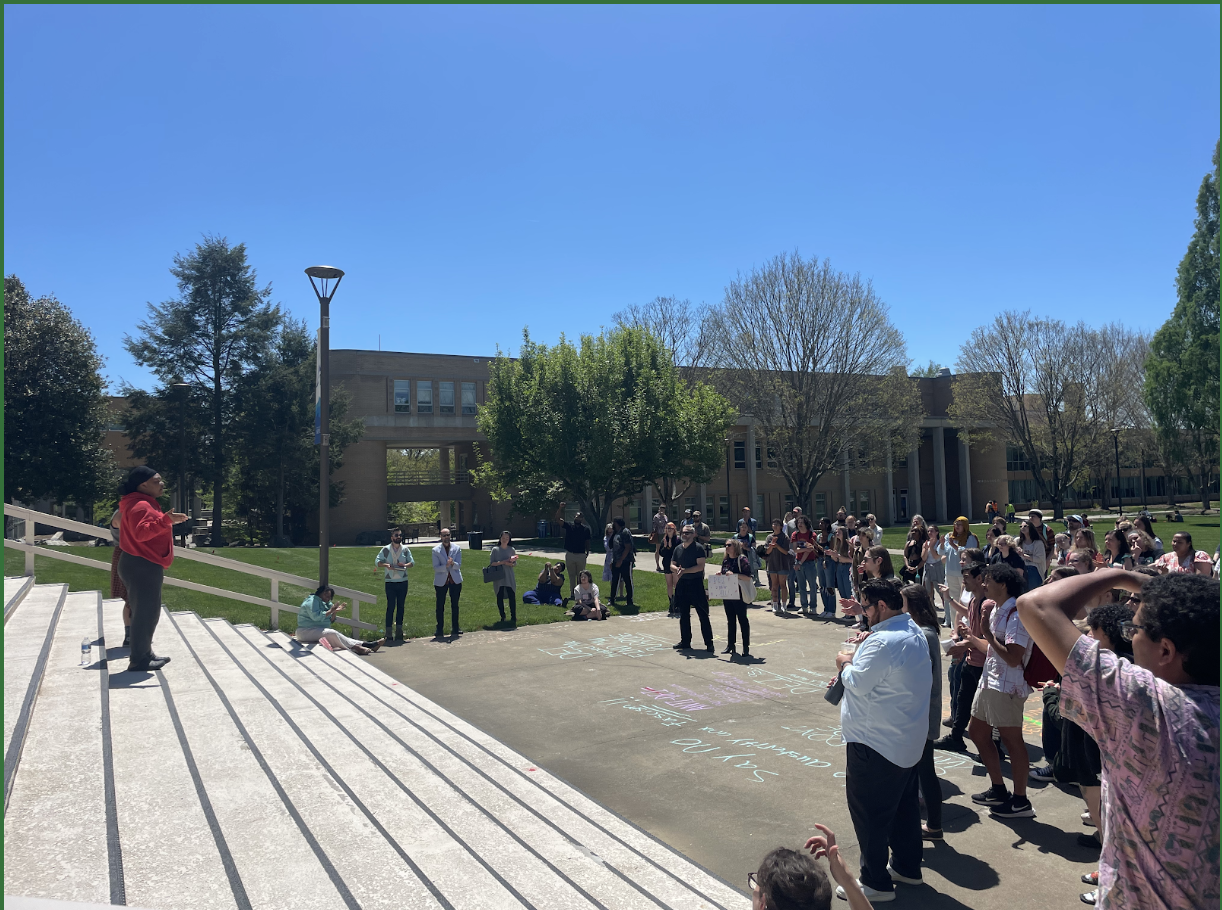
(736, 567)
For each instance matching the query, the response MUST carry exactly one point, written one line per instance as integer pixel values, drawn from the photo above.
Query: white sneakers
(881, 897)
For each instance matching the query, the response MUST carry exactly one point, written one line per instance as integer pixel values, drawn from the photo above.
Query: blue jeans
(791, 583)
(808, 581)
(844, 578)
(1033, 578)
(955, 676)
(827, 583)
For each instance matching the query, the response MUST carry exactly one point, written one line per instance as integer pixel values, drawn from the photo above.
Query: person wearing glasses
(884, 721)
(687, 565)
(1156, 722)
(791, 879)
(395, 559)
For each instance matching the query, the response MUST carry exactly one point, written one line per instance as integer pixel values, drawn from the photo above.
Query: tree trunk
(280, 501)
(1203, 484)
(1058, 508)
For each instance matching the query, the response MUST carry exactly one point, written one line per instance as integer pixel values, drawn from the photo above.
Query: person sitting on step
(314, 624)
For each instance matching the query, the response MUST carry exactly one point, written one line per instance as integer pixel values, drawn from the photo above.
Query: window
(462, 461)
(424, 396)
(759, 506)
(445, 394)
(1016, 460)
(1022, 492)
(468, 397)
(709, 512)
(901, 462)
(771, 458)
(759, 460)
(863, 503)
(403, 396)
(689, 505)
(740, 454)
(820, 506)
(788, 502)
(723, 512)
(634, 512)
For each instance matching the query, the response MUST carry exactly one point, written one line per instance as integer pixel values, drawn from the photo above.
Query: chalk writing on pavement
(829, 735)
(669, 717)
(621, 644)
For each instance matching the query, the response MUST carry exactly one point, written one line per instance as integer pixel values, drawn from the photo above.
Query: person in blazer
(447, 576)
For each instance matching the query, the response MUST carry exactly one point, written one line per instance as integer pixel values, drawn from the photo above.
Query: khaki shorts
(998, 709)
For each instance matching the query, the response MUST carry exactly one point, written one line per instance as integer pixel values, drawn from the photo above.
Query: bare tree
(1036, 382)
(810, 354)
(1116, 401)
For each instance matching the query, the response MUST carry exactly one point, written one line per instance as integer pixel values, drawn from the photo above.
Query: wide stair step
(254, 772)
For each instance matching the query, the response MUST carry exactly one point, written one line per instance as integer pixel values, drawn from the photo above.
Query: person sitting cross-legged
(314, 624)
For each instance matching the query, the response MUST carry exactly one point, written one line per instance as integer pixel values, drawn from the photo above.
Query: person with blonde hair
(957, 539)
(738, 566)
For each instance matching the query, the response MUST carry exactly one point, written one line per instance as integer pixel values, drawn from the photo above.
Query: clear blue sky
(477, 170)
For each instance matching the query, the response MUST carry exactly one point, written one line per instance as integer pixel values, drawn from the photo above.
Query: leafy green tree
(55, 412)
(220, 328)
(274, 466)
(1181, 386)
(929, 371)
(594, 423)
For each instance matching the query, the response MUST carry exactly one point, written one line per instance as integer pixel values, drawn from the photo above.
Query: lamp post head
(182, 386)
(325, 274)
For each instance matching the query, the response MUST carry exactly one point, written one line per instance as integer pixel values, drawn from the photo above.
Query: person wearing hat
(146, 537)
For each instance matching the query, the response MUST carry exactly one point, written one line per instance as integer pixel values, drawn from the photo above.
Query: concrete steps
(254, 772)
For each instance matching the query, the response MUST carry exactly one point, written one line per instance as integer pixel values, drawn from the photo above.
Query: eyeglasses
(1129, 629)
(752, 881)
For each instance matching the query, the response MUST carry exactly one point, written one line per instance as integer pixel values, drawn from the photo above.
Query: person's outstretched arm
(825, 845)
(1047, 611)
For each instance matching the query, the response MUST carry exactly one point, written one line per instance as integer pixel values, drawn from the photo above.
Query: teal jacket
(313, 613)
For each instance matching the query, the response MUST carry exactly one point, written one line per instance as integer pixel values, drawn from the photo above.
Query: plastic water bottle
(86, 651)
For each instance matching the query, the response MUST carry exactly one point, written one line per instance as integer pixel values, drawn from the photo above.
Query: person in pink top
(1156, 723)
(1183, 559)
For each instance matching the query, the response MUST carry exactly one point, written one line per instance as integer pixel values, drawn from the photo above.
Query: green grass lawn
(350, 567)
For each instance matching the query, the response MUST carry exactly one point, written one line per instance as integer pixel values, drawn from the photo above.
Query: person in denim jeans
(827, 568)
(806, 561)
(842, 551)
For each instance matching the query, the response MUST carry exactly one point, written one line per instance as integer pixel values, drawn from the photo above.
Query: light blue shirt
(886, 692)
(313, 613)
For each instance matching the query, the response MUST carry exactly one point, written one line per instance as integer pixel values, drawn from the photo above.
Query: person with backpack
(1003, 691)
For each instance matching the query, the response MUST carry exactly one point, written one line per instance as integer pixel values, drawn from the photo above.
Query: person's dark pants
(954, 676)
(736, 614)
(969, 682)
(1050, 736)
(396, 596)
(143, 581)
(501, 594)
(690, 594)
(623, 573)
(931, 787)
(827, 584)
(455, 590)
(791, 584)
(886, 815)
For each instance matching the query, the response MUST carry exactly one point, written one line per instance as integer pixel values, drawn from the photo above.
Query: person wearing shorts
(1002, 693)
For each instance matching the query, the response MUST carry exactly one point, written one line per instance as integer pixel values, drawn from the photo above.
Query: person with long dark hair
(736, 565)
(146, 536)
(314, 623)
(918, 605)
(806, 562)
(1034, 554)
(827, 568)
(1117, 553)
(503, 554)
(666, 549)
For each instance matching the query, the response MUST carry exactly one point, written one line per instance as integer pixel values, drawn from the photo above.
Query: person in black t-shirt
(687, 563)
(576, 545)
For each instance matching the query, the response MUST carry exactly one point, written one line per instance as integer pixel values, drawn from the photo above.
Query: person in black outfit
(687, 563)
(576, 545)
(737, 566)
(623, 556)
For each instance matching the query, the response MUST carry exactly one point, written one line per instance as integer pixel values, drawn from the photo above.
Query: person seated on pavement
(790, 880)
(586, 604)
(314, 624)
(1156, 723)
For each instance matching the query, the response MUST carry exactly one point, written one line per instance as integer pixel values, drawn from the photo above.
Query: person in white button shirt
(395, 559)
(884, 720)
(447, 576)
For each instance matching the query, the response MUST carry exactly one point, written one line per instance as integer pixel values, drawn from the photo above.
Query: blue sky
(477, 170)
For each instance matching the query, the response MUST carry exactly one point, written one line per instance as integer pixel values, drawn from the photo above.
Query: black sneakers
(950, 743)
(1014, 807)
(994, 796)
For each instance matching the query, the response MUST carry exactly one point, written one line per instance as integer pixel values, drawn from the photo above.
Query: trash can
(541, 528)
(475, 540)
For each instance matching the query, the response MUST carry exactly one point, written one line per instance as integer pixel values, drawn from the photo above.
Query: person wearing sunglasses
(1156, 723)
(792, 880)
(687, 565)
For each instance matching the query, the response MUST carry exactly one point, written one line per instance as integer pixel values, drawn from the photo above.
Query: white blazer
(439, 565)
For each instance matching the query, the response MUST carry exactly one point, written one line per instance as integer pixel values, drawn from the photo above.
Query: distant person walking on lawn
(576, 544)
(395, 559)
(623, 558)
(655, 534)
(447, 576)
(146, 536)
(314, 624)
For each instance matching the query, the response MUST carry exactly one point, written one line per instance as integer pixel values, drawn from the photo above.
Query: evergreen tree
(219, 329)
(1181, 386)
(55, 412)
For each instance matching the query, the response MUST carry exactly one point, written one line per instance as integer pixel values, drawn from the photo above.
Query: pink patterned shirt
(1159, 745)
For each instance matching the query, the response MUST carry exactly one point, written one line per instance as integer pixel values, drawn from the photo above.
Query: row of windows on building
(424, 396)
(1023, 491)
(718, 510)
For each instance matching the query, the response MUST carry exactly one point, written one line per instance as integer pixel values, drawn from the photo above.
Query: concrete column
(846, 482)
(703, 505)
(914, 481)
(647, 505)
(939, 473)
(888, 493)
(444, 505)
(751, 484)
(965, 479)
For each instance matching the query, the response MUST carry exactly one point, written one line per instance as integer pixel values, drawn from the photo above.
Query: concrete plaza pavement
(724, 760)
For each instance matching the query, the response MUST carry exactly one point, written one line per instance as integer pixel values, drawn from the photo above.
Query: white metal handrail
(275, 576)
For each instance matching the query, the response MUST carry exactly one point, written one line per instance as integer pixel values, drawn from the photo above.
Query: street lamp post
(184, 505)
(325, 274)
(1119, 494)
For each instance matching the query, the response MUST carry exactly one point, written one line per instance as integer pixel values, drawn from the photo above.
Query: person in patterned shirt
(1183, 558)
(1156, 723)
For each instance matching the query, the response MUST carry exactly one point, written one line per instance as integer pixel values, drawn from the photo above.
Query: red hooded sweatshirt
(144, 530)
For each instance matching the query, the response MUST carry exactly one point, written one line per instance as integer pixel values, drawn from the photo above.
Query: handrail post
(276, 599)
(28, 537)
(356, 609)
